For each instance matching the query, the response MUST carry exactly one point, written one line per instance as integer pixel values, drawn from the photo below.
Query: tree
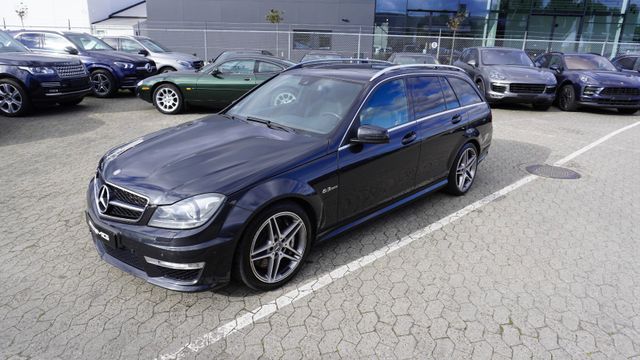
(454, 24)
(275, 17)
(21, 11)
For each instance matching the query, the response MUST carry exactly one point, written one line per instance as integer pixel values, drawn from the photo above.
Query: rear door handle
(456, 118)
(247, 79)
(409, 138)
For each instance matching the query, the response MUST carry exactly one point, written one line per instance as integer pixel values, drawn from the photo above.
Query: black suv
(592, 80)
(28, 79)
(249, 190)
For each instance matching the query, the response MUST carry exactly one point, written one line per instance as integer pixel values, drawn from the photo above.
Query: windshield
(414, 59)
(302, 102)
(153, 46)
(9, 44)
(588, 62)
(88, 43)
(505, 57)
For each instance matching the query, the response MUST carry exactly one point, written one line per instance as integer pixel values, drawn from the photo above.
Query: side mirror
(143, 52)
(71, 50)
(472, 62)
(371, 134)
(216, 72)
(556, 68)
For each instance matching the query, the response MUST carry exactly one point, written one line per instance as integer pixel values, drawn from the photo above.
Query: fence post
(206, 53)
(4, 23)
(524, 41)
(277, 49)
(289, 44)
(453, 45)
(604, 46)
(438, 48)
(359, 38)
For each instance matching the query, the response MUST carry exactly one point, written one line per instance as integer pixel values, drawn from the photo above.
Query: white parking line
(315, 284)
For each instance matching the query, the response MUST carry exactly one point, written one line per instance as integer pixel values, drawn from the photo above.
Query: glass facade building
(562, 25)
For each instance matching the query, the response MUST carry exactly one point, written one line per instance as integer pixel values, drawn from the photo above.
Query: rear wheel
(274, 247)
(463, 170)
(14, 100)
(103, 83)
(567, 98)
(627, 111)
(168, 99)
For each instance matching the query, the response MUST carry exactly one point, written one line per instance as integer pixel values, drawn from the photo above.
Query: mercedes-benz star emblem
(103, 199)
(148, 67)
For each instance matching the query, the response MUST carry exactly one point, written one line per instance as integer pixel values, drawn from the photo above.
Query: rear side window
(237, 67)
(265, 67)
(450, 99)
(467, 95)
(426, 93)
(55, 42)
(31, 40)
(387, 107)
(113, 42)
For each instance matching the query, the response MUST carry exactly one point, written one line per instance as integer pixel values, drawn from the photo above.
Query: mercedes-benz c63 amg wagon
(248, 191)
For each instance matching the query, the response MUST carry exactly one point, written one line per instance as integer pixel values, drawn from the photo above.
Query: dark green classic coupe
(215, 85)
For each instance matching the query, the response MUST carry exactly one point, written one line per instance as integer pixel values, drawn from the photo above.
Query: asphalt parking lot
(545, 268)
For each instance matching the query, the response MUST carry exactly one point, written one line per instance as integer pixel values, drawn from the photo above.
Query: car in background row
(215, 85)
(109, 70)
(591, 80)
(411, 58)
(508, 75)
(165, 59)
(323, 55)
(231, 53)
(248, 192)
(28, 79)
(630, 62)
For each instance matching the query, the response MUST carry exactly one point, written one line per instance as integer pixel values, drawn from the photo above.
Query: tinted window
(542, 61)
(111, 42)
(56, 42)
(237, 67)
(556, 60)
(427, 96)
(626, 63)
(450, 99)
(30, 40)
(467, 95)
(387, 107)
(265, 67)
(130, 46)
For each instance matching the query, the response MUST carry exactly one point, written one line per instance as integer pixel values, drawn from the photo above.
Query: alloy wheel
(466, 169)
(566, 98)
(10, 99)
(101, 84)
(278, 247)
(167, 99)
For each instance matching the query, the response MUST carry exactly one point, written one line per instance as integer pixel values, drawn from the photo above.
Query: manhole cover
(553, 172)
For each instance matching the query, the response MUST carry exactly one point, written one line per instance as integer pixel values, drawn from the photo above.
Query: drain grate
(553, 172)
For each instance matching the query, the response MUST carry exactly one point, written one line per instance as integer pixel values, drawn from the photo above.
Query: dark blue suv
(110, 70)
(28, 79)
(314, 151)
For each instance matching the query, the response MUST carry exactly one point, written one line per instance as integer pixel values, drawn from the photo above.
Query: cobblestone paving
(549, 271)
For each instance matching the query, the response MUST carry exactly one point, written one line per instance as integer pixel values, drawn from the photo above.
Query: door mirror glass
(472, 62)
(71, 50)
(143, 52)
(371, 134)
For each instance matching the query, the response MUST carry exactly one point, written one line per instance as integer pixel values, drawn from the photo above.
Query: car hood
(613, 78)
(33, 59)
(175, 56)
(110, 56)
(523, 74)
(215, 154)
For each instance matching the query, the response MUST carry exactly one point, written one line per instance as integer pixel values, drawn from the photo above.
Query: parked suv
(165, 59)
(249, 190)
(109, 70)
(508, 75)
(592, 80)
(28, 79)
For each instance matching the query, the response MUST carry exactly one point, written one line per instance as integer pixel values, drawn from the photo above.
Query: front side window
(55, 42)
(626, 63)
(113, 42)
(555, 60)
(130, 46)
(153, 45)
(88, 42)
(308, 103)
(387, 107)
(31, 40)
(265, 67)
(427, 96)
(237, 67)
(543, 61)
(465, 92)
(588, 62)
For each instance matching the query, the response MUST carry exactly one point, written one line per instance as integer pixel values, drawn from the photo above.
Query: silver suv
(165, 59)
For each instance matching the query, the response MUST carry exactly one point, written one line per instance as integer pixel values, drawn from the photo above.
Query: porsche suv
(248, 191)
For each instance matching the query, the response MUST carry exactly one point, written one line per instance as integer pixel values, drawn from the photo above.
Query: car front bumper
(501, 92)
(618, 102)
(59, 90)
(173, 259)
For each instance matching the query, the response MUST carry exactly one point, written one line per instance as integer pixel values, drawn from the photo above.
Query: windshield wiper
(270, 124)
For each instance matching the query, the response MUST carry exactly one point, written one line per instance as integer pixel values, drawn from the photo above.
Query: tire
(14, 100)
(73, 102)
(541, 106)
(261, 273)
(168, 99)
(463, 166)
(567, 98)
(103, 84)
(166, 69)
(627, 111)
(480, 85)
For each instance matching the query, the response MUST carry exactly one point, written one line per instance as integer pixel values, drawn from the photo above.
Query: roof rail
(337, 61)
(421, 66)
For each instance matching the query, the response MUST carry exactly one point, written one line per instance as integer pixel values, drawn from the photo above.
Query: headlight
(139, 83)
(38, 70)
(587, 79)
(184, 63)
(188, 213)
(495, 75)
(124, 65)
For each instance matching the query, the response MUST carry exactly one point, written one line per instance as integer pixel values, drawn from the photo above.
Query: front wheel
(14, 100)
(103, 83)
(627, 111)
(463, 170)
(168, 99)
(567, 98)
(274, 247)
(480, 85)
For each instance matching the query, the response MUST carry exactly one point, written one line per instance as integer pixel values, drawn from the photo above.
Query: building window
(312, 39)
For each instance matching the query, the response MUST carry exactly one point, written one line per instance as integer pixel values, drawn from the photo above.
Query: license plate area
(108, 238)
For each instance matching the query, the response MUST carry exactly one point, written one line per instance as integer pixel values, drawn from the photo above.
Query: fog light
(591, 90)
(176, 266)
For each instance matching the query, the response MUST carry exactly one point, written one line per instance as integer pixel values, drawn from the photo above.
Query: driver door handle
(456, 118)
(409, 138)
(247, 79)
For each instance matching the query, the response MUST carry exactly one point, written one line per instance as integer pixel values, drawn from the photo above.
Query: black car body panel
(508, 83)
(339, 183)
